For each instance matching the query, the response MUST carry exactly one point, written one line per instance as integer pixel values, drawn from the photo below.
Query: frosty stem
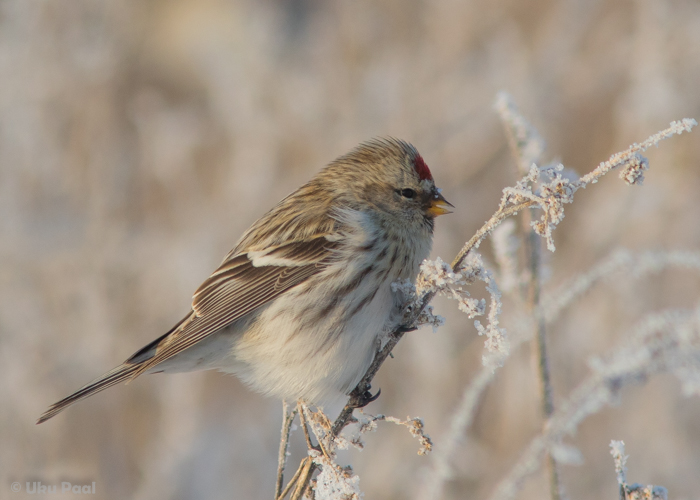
(527, 146)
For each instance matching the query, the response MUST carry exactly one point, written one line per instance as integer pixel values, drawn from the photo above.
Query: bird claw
(406, 329)
(362, 400)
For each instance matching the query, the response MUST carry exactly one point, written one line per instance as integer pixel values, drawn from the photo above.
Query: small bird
(298, 307)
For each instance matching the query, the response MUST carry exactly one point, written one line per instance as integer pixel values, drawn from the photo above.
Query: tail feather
(131, 368)
(113, 377)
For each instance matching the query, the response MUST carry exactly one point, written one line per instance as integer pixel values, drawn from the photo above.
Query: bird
(298, 308)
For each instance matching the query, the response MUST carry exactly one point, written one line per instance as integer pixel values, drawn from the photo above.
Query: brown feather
(238, 288)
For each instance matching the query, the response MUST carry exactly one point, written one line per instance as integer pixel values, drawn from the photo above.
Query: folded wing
(243, 283)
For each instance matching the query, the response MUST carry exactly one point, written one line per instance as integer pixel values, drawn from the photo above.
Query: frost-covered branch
(287, 423)
(438, 278)
(525, 142)
(665, 342)
(550, 190)
(635, 164)
(547, 187)
(368, 423)
(617, 450)
(527, 147)
(505, 250)
(334, 481)
(621, 262)
(634, 491)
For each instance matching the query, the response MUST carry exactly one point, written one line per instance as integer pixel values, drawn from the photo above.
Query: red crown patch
(422, 169)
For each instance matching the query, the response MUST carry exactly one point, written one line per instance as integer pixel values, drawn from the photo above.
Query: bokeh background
(138, 139)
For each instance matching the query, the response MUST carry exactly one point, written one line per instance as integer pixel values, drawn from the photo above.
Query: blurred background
(138, 139)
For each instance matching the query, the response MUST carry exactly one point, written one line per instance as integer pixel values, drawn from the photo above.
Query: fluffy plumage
(297, 308)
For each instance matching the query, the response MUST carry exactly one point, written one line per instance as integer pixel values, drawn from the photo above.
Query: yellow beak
(438, 206)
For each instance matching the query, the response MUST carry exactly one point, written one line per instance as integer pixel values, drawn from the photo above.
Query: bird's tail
(119, 374)
(131, 368)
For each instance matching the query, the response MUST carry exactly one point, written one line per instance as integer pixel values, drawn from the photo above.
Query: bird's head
(390, 177)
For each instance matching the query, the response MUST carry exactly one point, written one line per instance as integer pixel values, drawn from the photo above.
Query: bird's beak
(438, 206)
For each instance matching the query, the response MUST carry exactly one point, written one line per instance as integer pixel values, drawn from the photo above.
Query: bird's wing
(244, 282)
(240, 285)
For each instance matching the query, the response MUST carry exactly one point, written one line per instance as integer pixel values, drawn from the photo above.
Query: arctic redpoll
(297, 308)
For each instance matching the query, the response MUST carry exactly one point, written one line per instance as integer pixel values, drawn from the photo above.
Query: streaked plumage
(296, 309)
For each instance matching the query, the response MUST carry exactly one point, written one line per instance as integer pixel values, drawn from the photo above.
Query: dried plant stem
(304, 426)
(293, 480)
(304, 412)
(527, 146)
(623, 262)
(533, 294)
(676, 127)
(287, 419)
(461, 420)
(486, 229)
(533, 252)
(306, 469)
(661, 343)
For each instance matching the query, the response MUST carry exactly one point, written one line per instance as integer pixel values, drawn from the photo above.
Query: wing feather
(239, 287)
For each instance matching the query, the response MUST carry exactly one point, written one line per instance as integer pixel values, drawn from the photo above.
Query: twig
(307, 469)
(304, 426)
(311, 420)
(526, 146)
(632, 491)
(624, 262)
(462, 419)
(664, 342)
(488, 226)
(293, 480)
(634, 265)
(546, 393)
(632, 153)
(287, 419)
(617, 450)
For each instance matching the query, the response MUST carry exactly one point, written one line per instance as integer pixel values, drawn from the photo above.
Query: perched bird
(297, 308)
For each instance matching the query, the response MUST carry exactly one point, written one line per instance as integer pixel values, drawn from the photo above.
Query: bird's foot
(406, 329)
(360, 400)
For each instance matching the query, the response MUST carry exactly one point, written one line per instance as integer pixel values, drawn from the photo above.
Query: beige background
(138, 139)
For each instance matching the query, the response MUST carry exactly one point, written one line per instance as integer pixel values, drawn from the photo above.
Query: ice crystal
(633, 171)
(334, 482)
(505, 248)
(617, 450)
(634, 491)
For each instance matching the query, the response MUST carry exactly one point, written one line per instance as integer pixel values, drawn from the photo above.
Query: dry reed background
(139, 139)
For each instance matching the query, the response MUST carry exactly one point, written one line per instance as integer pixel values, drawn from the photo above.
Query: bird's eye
(408, 193)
